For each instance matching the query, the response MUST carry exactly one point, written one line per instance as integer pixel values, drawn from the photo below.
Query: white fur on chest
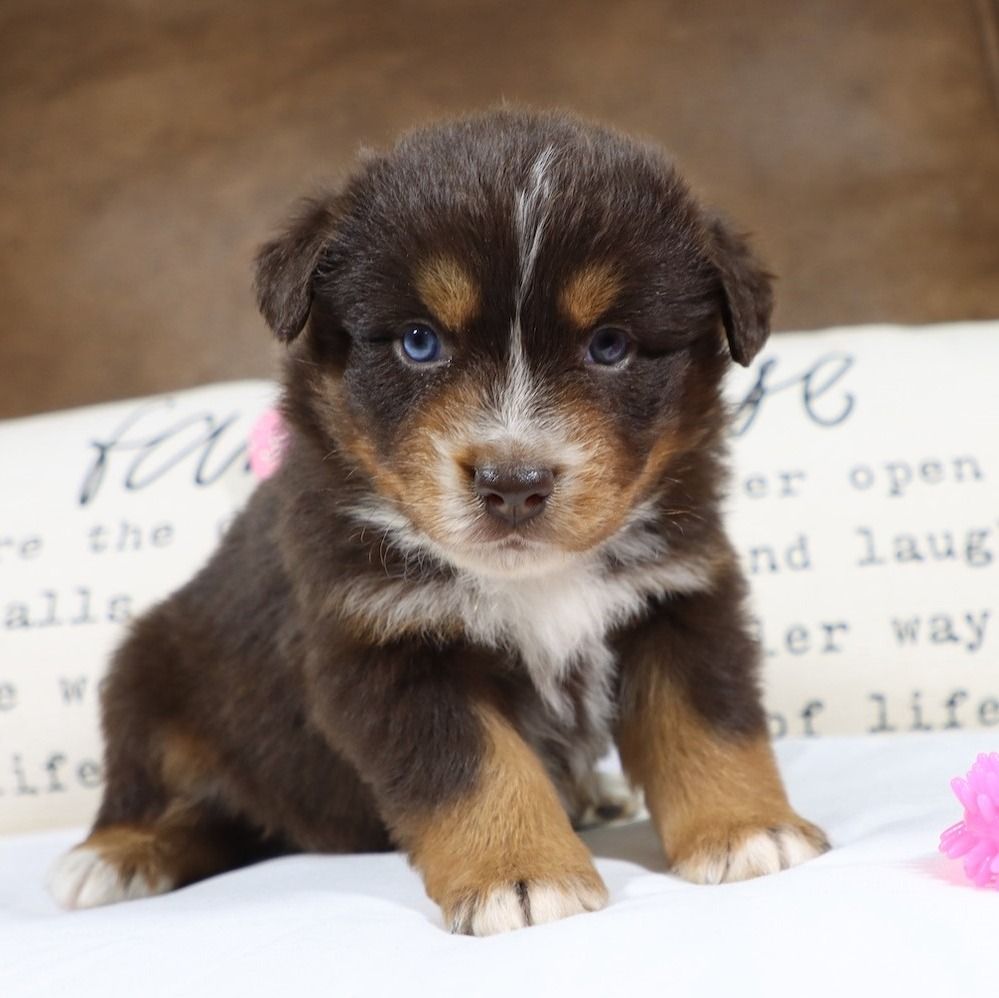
(554, 623)
(561, 621)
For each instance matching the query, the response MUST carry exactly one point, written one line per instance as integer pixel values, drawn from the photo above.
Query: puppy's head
(514, 328)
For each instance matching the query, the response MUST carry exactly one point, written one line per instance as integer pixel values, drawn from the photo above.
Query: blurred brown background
(147, 146)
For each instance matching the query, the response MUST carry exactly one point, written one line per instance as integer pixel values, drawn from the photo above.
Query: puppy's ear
(286, 267)
(747, 295)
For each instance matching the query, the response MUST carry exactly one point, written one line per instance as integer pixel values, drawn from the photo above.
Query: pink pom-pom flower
(976, 839)
(268, 439)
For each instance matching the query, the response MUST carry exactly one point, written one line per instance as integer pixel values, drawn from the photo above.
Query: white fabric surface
(882, 914)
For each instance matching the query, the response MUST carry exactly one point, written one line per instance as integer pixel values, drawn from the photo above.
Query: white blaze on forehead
(514, 418)
(530, 217)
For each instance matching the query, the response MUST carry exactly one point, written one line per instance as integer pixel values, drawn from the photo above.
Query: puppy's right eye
(609, 347)
(420, 344)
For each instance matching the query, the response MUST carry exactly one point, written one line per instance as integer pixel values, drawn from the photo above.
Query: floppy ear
(286, 267)
(747, 295)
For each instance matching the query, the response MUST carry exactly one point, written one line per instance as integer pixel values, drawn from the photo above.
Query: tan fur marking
(590, 293)
(132, 851)
(353, 439)
(362, 451)
(707, 794)
(448, 291)
(662, 452)
(190, 766)
(511, 830)
(610, 483)
(171, 852)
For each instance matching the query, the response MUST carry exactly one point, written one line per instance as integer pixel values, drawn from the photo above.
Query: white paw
(532, 902)
(82, 878)
(744, 854)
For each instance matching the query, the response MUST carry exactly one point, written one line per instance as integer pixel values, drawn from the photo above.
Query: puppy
(493, 547)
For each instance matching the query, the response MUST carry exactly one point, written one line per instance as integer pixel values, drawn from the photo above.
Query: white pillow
(865, 505)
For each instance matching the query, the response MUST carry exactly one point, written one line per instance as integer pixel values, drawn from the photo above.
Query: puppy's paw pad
(743, 854)
(83, 878)
(526, 902)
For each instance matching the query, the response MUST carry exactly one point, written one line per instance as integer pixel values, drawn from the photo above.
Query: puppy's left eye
(420, 344)
(609, 346)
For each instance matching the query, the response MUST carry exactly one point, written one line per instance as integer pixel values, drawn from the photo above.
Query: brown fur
(371, 659)
(189, 765)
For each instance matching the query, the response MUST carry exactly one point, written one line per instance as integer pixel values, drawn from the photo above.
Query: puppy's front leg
(692, 732)
(503, 854)
(463, 794)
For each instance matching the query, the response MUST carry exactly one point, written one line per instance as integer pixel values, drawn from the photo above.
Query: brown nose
(514, 494)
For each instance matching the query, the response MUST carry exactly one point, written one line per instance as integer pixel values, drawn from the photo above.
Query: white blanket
(882, 914)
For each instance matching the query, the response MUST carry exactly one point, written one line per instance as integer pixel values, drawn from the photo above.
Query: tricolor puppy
(493, 548)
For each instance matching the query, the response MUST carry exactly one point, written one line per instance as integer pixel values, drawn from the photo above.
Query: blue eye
(609, 346)
(421, 344)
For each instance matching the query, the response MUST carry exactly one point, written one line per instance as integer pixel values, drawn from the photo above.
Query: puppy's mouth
(510, 556)
(492, 544)
(514, 541)
(521, 535)
(495, 514)
(475, 540)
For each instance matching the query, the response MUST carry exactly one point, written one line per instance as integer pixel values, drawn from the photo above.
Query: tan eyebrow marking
(590, 292)
(448, 291)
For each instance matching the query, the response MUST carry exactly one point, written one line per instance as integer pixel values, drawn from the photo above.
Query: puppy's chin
(510, 558)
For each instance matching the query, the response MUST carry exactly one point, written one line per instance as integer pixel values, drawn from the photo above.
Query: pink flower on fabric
(268, 440)
(976, 839)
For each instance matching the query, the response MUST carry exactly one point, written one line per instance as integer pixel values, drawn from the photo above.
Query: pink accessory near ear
(977, 837)
(268, 439)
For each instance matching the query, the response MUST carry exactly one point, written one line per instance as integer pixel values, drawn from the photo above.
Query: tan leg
(503, 856)
(122, 862)
(716, 799)
(190, 839)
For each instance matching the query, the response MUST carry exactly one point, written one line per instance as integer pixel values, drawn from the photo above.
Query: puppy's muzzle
(513, 494)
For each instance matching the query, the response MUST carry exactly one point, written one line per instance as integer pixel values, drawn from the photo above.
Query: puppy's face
(515, 331)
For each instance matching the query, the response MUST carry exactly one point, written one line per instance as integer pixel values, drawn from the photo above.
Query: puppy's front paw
(517, 904)
(743, 852)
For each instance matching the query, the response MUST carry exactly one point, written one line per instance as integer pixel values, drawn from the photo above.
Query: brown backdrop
(148, 145)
